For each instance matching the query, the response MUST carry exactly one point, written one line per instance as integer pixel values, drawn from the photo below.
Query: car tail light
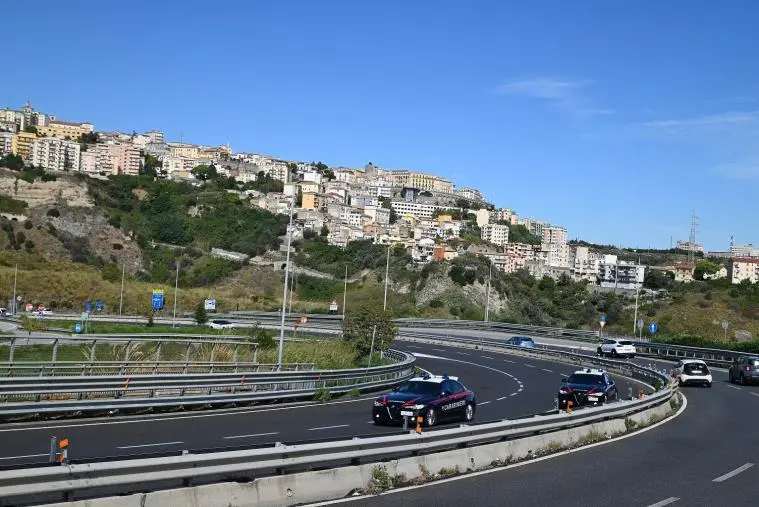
(748, 368)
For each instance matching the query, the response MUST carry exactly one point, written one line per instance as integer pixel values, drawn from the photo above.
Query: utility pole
(121, 297)
(387, 273)
(292, 290)
(371, 348)
(284, 296)
(487, 299)
(637, 291)
(14, 302)
(176, 288)
(345, 289)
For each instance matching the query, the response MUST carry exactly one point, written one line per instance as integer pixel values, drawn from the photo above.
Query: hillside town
(429, 215)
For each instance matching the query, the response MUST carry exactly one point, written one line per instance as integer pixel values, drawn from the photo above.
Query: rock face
(743, 336)
(440, 286)
(62, 192)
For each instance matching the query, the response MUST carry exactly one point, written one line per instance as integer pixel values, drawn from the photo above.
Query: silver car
(744, 370)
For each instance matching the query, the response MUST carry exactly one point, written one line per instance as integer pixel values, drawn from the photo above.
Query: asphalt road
(506, 387)
(705, 457)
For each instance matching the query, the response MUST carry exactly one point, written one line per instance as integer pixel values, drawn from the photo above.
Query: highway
(707, 456)
(507, 387)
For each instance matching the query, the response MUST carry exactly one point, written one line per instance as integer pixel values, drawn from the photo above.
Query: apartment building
(423, 181)
(377, 214)
(471, 194)
(554, 235)
(415, 209)
(6, 142)
(309, 187)
(21, 145)
(346, 175)
(687, 246)
(613, 273)
(312, 200)
(743, 268)
(535, 226)
(506, 263)
(183, 150)
(584, 264)
(56, 154)
(115, 158)
(558, 255)
(483, 217)
(65, 129)
(156, 136)
(16, 118)
(496, 233)
(684, 273)
(744, 250)
(504, 215)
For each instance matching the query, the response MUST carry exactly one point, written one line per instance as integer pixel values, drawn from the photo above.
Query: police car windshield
(583, 378)
(420, 387)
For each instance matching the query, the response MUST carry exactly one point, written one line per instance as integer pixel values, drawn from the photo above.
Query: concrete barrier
(307, 487)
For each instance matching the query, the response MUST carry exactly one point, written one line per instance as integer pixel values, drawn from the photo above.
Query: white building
(558, 255)
(584, 264)
(554, 235)
(483, 217)
(744, 250)
(56, 154)
(613, 273)
(496, 233)
(415, 209)
(743, 268)
(471, 194)
(6, 141)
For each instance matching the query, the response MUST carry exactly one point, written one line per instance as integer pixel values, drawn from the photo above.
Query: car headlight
(418, 407)
(378, 403)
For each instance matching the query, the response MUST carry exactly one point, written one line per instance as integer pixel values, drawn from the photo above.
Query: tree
(90, 138)
(204, 172)
(31, 129)
(299, 198)
(201, 316)
(151, 166)
(12, 162)
(520, 234)
(329, 174)
(359, 324)
(704, 268)
(324, 231)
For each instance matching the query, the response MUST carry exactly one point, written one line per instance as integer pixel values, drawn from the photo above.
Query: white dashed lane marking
(735, 472)
(546, 369)
(483, 403)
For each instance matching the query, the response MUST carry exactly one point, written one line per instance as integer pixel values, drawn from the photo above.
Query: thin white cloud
(562, 93)
(720, 120)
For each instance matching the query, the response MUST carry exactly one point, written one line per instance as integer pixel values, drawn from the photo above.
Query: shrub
(263, 337)
(436, 303)
(53, 212)
(28, 225)
(322, 394)
(117, 246)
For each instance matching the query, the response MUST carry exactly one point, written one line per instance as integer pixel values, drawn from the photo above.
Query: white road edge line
(149, 445)
(508, 361)
(546, 369)
(515, 465)
(733, 387)
(483, 403)
(529, 365)
(25, 456)
(664, 502)
(742, 468)
(253, 435)
(329, 427)
(502, 398)
(755, 394)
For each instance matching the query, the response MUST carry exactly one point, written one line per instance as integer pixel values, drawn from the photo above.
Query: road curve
(708, 456)
(506, 386)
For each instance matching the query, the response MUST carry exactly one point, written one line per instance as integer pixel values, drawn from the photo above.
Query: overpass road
(507, 386)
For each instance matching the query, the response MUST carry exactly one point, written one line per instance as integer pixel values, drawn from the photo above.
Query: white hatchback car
(221, 324)
(693, 372)
(616, 348)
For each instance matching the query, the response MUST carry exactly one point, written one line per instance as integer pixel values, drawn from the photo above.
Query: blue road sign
(78, 327)
(653, 327)
(88, 306)
(157, 300)
(99, 305)
(602, 318)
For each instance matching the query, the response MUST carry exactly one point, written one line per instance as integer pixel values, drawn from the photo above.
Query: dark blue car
(435, 398)
(587, 387)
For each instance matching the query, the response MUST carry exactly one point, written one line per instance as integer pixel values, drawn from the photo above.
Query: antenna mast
(692, 240)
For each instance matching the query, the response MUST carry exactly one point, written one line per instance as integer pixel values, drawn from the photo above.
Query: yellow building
(312, 201)
(21, 145)
(441, 219)
(65, 129)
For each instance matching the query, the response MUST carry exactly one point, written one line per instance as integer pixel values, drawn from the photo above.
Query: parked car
(744, 370)
(588, 386)
(434, 397)
(693, 372)
(521, 341)
(616, 348)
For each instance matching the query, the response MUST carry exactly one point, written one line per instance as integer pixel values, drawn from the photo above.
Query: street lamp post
(387, 273)
(176, 288)
(14, 302)
(487, 298)
(345, 289)
(284, 296)
(121, 297)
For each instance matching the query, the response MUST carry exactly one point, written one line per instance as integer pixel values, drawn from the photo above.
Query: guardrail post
(158, 351)
(10, 354)
(55, 350)
(187, 357)
(92, 351)
(53, 449)
(255, 353)
(127, 350)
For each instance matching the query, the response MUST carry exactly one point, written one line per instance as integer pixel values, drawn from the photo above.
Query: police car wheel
(431, 417)
(468, 412)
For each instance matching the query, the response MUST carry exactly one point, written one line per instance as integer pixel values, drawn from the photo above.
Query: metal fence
(24, 396)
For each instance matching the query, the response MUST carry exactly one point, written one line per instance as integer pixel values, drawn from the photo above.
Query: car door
(611, 387)
(449, 409)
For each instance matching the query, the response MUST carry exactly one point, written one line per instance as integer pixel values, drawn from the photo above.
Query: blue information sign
(602, 317)
(157, 300)
(99, 305)
(88, 306)
(78, 327)
(652, 328)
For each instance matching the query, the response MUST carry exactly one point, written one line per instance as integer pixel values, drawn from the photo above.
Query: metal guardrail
(90, 480)
(25, 396)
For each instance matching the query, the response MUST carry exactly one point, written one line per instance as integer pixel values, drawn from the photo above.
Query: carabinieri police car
(587, 387)
(436, 398)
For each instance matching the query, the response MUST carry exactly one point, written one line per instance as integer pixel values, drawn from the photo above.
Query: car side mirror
(564, 380)
(395, 389)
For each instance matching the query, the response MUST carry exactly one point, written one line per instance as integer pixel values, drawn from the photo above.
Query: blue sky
(615, 119)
